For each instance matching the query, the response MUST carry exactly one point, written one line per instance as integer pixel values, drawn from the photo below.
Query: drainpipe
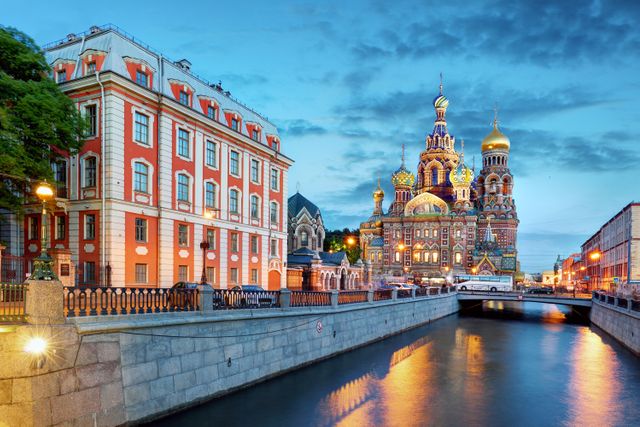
(102, 177)
(75, 71)
(158, 186)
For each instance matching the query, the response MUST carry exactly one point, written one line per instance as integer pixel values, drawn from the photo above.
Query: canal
(504, 365)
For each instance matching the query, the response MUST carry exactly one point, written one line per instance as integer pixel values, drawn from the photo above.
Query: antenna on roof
(440, 82)
(495, 115)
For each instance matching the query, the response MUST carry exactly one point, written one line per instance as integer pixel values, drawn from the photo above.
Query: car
(542, 290)
(182, 295)
(250, 296)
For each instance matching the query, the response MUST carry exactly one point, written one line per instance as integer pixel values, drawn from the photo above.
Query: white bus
(484, 283)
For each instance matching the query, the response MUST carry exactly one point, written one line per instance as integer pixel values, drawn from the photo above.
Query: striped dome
(440, 101)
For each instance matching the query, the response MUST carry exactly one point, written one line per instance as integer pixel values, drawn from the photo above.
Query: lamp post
(42, 266)
(204, 245)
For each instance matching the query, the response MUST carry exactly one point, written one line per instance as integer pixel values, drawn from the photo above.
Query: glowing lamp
(44, 191)
(351, 241)
(401, 246)
(474, 270)
(36, 346)
(595, 256)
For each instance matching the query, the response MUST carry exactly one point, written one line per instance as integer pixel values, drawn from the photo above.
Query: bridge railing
(13, 299)
(352, 297)
(310, 299)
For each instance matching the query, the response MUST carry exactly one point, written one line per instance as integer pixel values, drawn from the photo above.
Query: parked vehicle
(542, 290)
(183, 295)
(250, 296)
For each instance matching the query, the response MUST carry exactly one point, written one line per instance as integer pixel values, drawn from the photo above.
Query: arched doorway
(274, 280)
(343, 281)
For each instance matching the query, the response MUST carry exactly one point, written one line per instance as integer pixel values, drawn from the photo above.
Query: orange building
(170, 161)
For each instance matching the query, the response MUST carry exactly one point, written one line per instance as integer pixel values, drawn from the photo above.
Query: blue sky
(348, 82)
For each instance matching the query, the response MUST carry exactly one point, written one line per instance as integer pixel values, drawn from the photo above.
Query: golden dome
(402, 177)
(378, 194)
(496, 140)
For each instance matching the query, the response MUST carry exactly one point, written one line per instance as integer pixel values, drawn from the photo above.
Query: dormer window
(142, 79)
(276, 145)
(235, 124)
(91, 67)
(62, 76)
(255, 135)
(184, 98)
(211, 112)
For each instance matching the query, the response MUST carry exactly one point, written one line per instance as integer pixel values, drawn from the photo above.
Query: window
(141, 273)
(89, 272)
(434, 257)
(234, 275)
(255, 135)
(274, 247)
(34, 230)
(90, 164)
(234, 165)
(91, 67)
(89, 227)
(233, 201)
(142, 79)
(211, 238)
(234, 242)
(435, 233)
(274, 213)
(304, 238)
(235, 124)
(274, 179)
(62, 76)
(141, 230)
(458, 234)
(397, 258)
(254, 244)
(210, 195)
(434, 176)
(183, 235)
(212, 154)
(276, 145)
(255, 207)
(141, 178)
(211, 112)
(142, 129)
(458, 258)
(184, 98)
(183, 143)
(211, 275)
(183, 273)
(91, 116)
(254, 275)
(183, 188)
(255, 171)
(61, 227)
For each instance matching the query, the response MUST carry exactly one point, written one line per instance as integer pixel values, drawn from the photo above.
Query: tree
(343, 240)
(38, 123)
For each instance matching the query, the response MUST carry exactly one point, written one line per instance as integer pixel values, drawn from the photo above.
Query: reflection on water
(505, 365)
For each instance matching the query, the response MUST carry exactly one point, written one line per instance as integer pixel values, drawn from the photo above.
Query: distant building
(308, 266)
(612, 255)
(446, 218)
(549, 278)
(571, 271)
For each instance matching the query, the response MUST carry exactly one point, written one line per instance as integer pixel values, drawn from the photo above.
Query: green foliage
(38, 123)
(337, 240)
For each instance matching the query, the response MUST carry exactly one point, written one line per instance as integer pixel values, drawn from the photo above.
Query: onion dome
(378, 194)
(440, 101)
(496, 140)
(402, 177)
(461, 176)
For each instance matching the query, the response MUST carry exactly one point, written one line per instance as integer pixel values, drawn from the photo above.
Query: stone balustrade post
(394, 294)
(45, 302)
(370, 296)
(439, 290)
(413, 292)
(334, 298)
(629, 302)
(285, 298)
(205, 298)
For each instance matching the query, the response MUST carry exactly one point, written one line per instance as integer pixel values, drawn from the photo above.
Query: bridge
(561, 299)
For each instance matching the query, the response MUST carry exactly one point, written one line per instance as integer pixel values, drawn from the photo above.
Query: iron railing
(635, 305)
(422, 291)
(433, 291)
(404, 293)
(352, 297)
(225, 299)
(101, 301)
(13, 299)
(381, 294)
(310, 299)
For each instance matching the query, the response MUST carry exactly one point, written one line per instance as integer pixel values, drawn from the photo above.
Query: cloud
(300, 127)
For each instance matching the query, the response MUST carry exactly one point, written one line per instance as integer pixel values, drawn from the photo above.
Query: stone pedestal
(285, 298)
(394, 294)
(334, 298)
(205, 298)
(45, 302)
(370, 296)
(64, 268)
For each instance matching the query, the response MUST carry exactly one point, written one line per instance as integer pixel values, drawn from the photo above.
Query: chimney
(71, 37)
(184, 64)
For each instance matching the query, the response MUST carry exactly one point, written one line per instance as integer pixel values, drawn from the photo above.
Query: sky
(347, 83)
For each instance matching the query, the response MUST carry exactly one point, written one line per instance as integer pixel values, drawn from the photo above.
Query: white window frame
(146, 272)
(151, 135)
(258, 204)
(278, 176)
(216, 152)
(271, 203)
(239, 174)
(85, 225)
(191, 183)
(190, 142)
(273, 244)
(239, 211)
(83, 176)
(251, 163)
(216, 199)
(150, 181)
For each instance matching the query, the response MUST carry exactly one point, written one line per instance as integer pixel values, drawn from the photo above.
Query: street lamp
(204, 245)
(351, 241)
(474, 270)
(42, 266)
(595, 255)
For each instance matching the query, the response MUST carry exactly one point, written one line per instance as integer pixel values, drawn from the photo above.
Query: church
(445, 219)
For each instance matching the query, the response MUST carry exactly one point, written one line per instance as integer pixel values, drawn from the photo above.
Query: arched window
(434, 257)
(183, 188)
(90, 171)
(434, 176)
(397, 256)
(141, 178)
(304, 238)
(458, 258)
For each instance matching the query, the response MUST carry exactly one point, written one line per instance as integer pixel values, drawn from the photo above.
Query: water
(509, 365)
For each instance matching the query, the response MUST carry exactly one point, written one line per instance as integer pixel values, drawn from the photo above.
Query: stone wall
(130, 368)
(623, 324)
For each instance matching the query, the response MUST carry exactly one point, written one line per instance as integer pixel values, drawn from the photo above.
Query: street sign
(616, 280)
(319, 326)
